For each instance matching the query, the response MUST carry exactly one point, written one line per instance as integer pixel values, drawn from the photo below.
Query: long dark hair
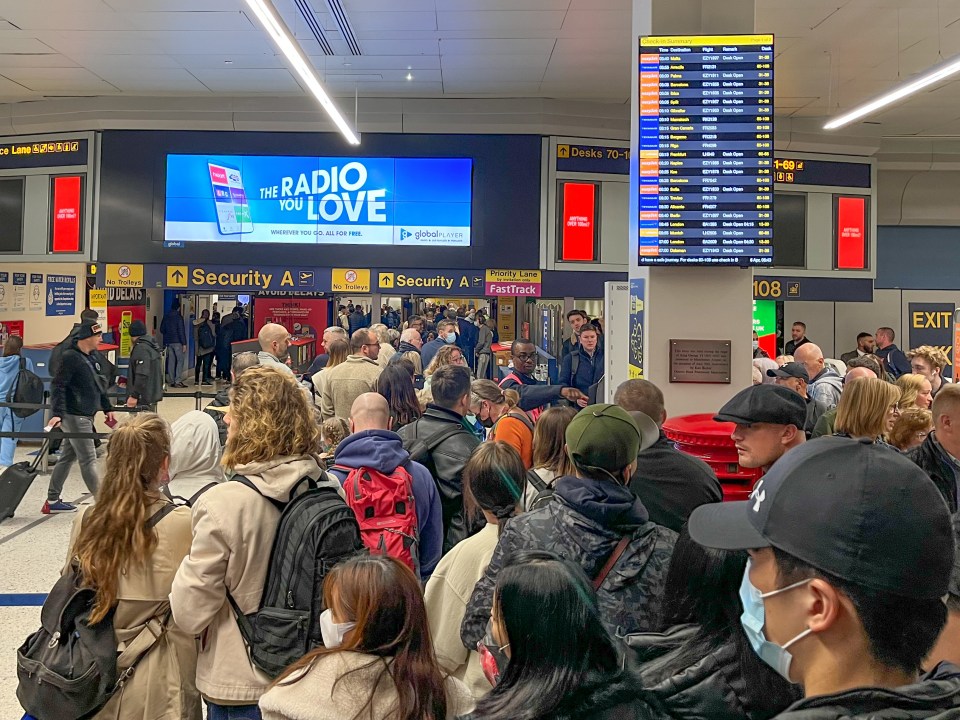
(493, 480)
(396, 385)
(557, 639)
(703, 588)
(382, 596)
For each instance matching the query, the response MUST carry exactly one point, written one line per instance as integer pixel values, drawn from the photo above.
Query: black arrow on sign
(178, 275)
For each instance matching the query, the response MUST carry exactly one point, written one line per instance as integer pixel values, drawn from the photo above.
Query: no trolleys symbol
(124, 271)
(351, 276)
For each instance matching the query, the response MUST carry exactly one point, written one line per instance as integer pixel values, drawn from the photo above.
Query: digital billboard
(318, 200)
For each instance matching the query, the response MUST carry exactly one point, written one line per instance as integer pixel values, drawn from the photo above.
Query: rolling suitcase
(15, 481)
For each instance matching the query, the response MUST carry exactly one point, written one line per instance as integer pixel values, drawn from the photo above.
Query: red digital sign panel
(851, 233)
(578, 220)
(67, 201)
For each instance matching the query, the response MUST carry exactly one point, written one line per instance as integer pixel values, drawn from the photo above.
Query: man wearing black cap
(78, 393)
(769, 422)
(145, 378)
(794, 376)
(851, 550)
(595, 521)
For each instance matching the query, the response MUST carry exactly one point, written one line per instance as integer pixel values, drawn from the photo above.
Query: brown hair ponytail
(113, 533)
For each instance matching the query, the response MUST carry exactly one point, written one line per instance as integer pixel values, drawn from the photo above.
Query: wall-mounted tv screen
(706, 148)
(318, 200)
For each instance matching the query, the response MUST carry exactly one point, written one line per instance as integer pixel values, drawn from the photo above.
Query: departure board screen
(706, 150)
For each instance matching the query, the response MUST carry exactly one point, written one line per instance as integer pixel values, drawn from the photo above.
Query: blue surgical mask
(450, 338)
(753, 619)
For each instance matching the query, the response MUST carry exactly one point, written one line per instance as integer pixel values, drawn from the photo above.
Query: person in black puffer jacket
(590, 518)
(547, 653)
(701, 666)
(442, 442)
(145, 374)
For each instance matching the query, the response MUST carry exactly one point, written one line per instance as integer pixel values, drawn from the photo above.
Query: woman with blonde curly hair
(911, 428)
(868, 408)
(128, 546)
(272, 445)
(916, 391)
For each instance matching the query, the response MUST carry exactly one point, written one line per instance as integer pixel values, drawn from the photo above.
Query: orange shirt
(515, 433)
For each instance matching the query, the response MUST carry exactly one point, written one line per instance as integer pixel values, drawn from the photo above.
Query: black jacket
(584, 522)
(935, 696)
(533, 393)
(791, 347)
(933, 460)
(672, 484)
(145, 378)
(894, 360)
(445, 462)
(222, 400)
(603, 697)
(108, 370)
(78, 388)
(712, 688)
(587, 372)
(815, 411)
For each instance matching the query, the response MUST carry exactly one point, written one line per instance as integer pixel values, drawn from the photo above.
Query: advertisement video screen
(318, 200)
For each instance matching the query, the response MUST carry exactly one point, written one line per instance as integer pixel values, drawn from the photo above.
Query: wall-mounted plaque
(700, 361)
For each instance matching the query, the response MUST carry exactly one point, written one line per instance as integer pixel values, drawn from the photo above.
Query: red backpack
(386, 512)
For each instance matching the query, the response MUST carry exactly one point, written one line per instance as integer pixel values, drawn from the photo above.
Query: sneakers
(57, 507)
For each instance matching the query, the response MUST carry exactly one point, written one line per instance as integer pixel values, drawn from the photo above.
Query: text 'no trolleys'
(706, 149)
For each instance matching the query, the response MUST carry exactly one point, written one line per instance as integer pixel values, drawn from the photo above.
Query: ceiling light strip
(267, 15)
(314, 26)
(340, 15)
(931, 76)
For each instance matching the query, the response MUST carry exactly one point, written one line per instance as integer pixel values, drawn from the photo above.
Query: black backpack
(544, 491)
(68, 669)
(205, 337)
(27, 388)
(317, 531)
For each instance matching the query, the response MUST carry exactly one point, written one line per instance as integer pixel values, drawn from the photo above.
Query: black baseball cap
(790, 370)
(88, 328)
(765, 404)
(853, 509)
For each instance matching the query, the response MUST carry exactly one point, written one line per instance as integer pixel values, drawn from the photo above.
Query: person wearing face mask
(129, 546)
(594, 519)
(377, 661)
(442, 442)
(846, 601)
(446, 335)
(487, 404)
(515, 428)
(758, 352)
(561, 663)
(491, 483)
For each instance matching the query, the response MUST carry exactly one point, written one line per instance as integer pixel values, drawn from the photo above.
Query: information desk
(706, 150)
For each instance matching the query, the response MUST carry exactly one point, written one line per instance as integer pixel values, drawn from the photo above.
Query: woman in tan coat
(378, 662)
(133, 566)
(272, 439)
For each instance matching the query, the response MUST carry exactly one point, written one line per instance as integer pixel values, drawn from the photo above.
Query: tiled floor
(33, 548)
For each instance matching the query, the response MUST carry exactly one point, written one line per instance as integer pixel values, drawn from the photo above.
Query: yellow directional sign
(386, 281)
(177, 276)
(563, 151)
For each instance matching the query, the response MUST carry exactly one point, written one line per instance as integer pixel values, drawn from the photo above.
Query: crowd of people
(482, 550)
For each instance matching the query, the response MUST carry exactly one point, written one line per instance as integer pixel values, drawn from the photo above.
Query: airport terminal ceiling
(830, 55)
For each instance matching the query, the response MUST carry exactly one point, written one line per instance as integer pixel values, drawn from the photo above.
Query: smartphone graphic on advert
(233, 208)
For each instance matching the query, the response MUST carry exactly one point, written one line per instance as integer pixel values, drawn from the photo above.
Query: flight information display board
(706, 150)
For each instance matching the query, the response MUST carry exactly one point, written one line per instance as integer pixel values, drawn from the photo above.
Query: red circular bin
(702, 437)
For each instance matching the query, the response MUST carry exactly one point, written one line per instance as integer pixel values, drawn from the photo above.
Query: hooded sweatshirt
(826, 387)
(9, 369)
(194, 452)
(382, 450)
(233, 533)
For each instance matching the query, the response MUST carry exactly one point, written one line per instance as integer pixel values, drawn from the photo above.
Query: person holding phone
(79, 393)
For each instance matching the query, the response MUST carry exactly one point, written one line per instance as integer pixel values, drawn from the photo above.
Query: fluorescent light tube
(931, 76)
(291, 49)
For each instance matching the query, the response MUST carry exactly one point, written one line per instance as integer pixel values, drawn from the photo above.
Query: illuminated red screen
(579, 217)
(67, 199)
(851, 233)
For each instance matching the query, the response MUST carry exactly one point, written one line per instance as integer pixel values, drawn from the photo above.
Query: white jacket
(233, 533)
(194, 453)
(317, 694)
(447, 594)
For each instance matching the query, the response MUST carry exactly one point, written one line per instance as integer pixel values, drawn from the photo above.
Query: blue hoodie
(382, 450)
(9, 369)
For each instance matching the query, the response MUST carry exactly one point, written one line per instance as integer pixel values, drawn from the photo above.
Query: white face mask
(331, 632)
(756, 344)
